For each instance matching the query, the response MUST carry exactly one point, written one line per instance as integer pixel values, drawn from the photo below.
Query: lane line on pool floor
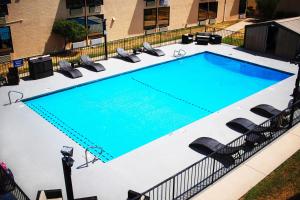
(172, 96)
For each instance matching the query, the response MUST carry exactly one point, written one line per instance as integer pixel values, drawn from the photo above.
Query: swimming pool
(122, 113)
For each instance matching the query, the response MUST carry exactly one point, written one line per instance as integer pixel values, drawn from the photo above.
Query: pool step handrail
(17, 100)
(179, 53)
(86, 164)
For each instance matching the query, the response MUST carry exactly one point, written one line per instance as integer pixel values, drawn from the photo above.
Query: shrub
(71, 31)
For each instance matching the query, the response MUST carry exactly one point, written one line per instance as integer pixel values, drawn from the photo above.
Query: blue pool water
(124, 112)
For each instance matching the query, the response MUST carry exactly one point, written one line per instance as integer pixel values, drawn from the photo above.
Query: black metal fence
(8, 187)
(155, 39)
(195, 178)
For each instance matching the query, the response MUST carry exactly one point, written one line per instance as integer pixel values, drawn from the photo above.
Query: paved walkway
(243, 178)
(240, 25)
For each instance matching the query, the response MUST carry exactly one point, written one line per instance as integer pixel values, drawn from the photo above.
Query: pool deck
(31, 146)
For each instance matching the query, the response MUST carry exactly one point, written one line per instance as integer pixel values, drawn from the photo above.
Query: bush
(71, 31)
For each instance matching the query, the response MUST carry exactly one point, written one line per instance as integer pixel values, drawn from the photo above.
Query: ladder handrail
(17, 100)
(86, 164)
(179, 53)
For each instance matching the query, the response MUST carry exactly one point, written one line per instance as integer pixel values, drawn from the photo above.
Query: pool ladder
(179, 53)
(86, 164)
(17, 100)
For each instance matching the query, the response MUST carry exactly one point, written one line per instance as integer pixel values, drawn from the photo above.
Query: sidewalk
(239, 26)
(243, 178)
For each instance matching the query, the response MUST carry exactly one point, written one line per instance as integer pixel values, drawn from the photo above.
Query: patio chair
(265, 110)
(222, 153)
(3, 80)
(126, 56)
(187, 38)
(243, 125)
(90, 64)
(149, 49)
(67, 69)
(213, 145)
(215, 39)
(202, 39)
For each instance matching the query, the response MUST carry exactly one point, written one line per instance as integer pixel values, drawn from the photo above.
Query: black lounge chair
(90, 64)
(269, 111)
(149, 49)
(243, 125)
(222, 153)
(212, 145)
(67, 69)
(265, 110)
(129, 57)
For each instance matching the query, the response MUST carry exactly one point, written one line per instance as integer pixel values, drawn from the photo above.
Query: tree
(71, 31)
(267, 8)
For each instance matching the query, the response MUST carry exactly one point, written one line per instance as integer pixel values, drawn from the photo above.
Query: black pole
(105, 38)
(67, 174)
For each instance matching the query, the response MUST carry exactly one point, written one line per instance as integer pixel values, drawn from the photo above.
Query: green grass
(282, 183)
(233, 41)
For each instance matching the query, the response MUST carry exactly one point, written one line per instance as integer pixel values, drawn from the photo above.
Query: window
(150, 18)
(156, 17)
(5, 41)
(212, 10)
(164, 2)
(74, 4)
(3, 10)
(207, 10)
(150, 2)
(203, 11)
(242, 6)
(94, 2)
(4, 2)
(163, 16)
(94, 24)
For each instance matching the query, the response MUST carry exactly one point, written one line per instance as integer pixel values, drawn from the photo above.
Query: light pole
(105, 38)
(67, 163)
(86, 22)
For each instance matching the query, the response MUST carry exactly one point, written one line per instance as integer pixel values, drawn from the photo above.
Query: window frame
(11, 49)
(149, 27)
(158, 20)
(207, 11)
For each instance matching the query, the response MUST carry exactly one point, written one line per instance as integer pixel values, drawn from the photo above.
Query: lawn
(282, 183)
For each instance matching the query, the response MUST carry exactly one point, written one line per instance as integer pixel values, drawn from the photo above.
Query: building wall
(287, 44)
(33, 35)
(256, 38)
(289, 6)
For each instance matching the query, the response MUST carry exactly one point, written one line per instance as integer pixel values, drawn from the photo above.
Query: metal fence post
(213, 171)
(160, 38)
(173, 192)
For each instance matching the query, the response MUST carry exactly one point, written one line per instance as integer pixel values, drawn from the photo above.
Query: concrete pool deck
(31, 146)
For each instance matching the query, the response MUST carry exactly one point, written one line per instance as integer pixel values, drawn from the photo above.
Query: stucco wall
(33, 35)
